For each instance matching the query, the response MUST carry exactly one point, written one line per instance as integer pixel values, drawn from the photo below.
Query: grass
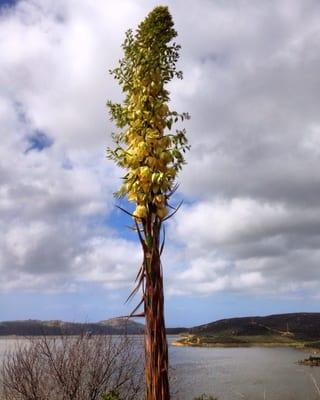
(227, 340)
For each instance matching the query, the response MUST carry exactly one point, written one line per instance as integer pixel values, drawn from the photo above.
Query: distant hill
(30, 327)
(121, 325)
(284, 328)
(294, 330)
(299, 325)
(113, 326)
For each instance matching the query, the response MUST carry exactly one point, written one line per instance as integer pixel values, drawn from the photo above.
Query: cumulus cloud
(252, 172)
(251, 182)
(255, 118)
(55, 184)
(113, 252)
(242, 244)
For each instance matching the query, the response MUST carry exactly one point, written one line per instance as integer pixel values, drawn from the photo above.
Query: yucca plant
(152, 155)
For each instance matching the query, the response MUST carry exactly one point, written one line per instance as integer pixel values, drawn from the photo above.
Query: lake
(244, 373)
(237, 373)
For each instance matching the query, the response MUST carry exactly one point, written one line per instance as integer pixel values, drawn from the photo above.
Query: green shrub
(205, 397)
(110, 396)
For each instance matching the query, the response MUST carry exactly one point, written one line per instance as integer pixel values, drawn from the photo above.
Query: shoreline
(298, 346)
(226, 345)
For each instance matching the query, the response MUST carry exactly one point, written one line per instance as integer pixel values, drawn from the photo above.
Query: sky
(247, 239)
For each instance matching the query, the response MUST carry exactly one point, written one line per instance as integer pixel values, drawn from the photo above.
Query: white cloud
(121, 256)
(222, 221)
(205, 275)
(246, 245)
(54, 79)
(251, 79)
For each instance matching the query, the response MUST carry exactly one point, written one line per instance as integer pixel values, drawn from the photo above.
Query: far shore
(226, 342)
(225, 345)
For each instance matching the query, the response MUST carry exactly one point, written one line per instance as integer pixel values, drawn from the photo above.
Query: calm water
(237, 373)
(244, 373)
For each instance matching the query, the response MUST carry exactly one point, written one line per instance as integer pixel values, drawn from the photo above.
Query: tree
(152, 155)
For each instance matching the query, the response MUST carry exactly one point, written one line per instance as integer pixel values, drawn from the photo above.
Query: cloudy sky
(247, 240)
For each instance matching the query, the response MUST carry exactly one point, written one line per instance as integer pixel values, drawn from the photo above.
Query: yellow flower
(162, 212)
(159, 200)
(165, 156)
(142, 146)
(171, 172)
(132, 196)
(145, 186)
(140, 212)
(145, 174)
(165, 141)
(152, 134)
(164, 109)
(152, 162)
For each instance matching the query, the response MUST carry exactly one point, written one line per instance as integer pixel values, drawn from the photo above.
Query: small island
(311, 361)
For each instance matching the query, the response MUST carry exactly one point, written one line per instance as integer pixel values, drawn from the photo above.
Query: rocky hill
(298, 325)
(295, 330)
(283, 327)
(114, 326)
(36, 327)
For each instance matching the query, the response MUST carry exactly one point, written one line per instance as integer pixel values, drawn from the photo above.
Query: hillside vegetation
(297, 330)
(114, 326)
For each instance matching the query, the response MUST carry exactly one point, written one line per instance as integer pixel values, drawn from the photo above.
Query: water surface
(244, 373)
(235, 373)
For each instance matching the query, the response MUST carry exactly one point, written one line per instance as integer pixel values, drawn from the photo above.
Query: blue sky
(7, 3)
(246, 241)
